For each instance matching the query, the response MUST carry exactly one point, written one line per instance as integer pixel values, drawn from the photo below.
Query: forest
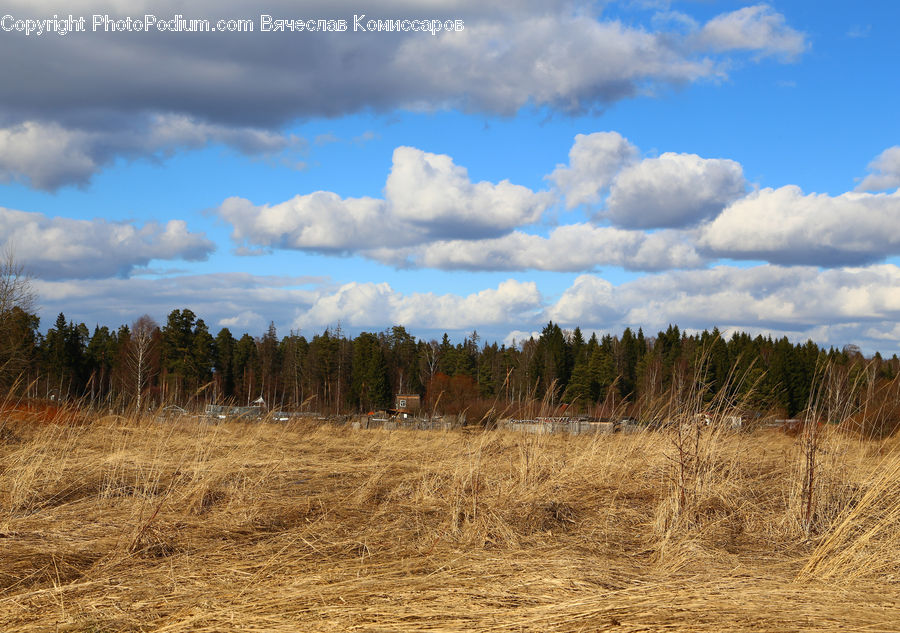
(183, 362)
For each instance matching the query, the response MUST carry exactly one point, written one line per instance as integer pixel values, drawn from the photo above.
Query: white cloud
(594, 160)
(784, 226)
(371, 305)
(434, 216)
(49, 155)
(834, 307)
(429, 192)
(589, 300)
(60, 248)
(356, 304)
(517, 337)
(570, 248)
(885, 171)
(673, 191)
(427, 197)
(247, 319)
(226, 299)
(795, 298)
(758, 28)
(309, 304)
(321, 221)
(855, 304)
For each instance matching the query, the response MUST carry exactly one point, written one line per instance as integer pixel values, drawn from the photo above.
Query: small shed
(408, 403)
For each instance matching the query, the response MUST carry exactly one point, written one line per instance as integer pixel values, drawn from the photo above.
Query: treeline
(183, 362)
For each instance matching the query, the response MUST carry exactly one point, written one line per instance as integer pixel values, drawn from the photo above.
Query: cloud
(63, 248)
(675, 211)
(588, 300)
(885, 171)
(247, 319)
(758, 28)
(431, 193)
(569, 248)
(309, 304)
(225, 299)
(784, 226)
(47, 155)
(319, 222)
(116, 94)
(354, 303)
(834, 307)
(673, 191)
(377, 305)
(516, 337)
(856, 304)
(573, 63)
(594, 160)
(428, 197)
(778, 298)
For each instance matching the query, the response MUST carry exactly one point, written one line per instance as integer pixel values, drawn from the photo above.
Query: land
(112, 523)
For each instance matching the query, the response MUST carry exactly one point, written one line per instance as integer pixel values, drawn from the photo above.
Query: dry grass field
(119, 524)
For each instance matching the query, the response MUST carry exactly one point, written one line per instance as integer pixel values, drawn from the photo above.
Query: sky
(598, 164)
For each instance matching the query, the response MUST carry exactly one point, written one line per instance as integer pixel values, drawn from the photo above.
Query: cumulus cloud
(673, 211)
(758, 28)
(376, 305)
(787, 227)
(885, 171)
(321, 222)
(569, 248)
(63, 248)
(427, 197)
(673, 191)
(594, 161)
(240, 88)
(429, 192)
(856, 303)
(588, 300)
(516, 337)
(47, 155)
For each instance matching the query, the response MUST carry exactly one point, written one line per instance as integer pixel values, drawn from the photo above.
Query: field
(117, 524)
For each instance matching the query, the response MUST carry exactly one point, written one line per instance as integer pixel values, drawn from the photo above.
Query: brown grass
(136, 525)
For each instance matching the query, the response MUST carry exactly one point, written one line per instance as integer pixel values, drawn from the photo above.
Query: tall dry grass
(131, 524)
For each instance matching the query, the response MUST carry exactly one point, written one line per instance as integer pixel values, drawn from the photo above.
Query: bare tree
(139, 348)
(17, 304)
(432, 356)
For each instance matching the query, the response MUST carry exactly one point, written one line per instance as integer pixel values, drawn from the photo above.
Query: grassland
(119, 524)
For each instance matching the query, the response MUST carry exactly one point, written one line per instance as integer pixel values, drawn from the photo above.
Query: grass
(124, 524)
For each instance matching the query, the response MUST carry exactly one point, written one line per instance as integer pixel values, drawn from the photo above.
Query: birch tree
(139, 349)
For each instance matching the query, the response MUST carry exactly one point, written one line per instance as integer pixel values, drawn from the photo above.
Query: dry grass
(134, 525)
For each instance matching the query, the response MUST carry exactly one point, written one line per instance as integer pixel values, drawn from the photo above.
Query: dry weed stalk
(823, 478)
(696, 427)
(865, 539)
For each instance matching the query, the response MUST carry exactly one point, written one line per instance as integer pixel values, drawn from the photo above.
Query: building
(407, 404)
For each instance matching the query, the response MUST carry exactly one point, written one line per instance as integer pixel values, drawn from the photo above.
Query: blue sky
(635, 163)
